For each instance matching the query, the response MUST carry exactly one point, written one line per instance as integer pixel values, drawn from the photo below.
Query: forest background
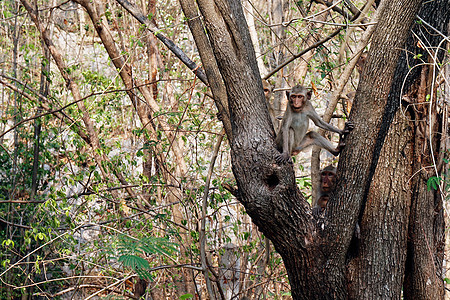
(116, 173)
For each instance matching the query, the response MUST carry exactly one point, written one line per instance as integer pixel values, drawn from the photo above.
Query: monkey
(327, 179)
(268, 88)
(321, 206)
(327, 185)
(293, 137)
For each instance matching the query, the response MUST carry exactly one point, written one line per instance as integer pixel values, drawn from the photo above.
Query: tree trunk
(377, 270)
(398, 190)
(396, 185)
(426, 228)
(360, 157)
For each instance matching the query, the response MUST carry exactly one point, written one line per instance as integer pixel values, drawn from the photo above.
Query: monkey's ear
(308, 95)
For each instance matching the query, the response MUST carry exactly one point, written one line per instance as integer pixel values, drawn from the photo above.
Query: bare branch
(137, 13)
(313, 46)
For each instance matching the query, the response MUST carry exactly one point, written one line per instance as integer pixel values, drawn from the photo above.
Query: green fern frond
(129, 250)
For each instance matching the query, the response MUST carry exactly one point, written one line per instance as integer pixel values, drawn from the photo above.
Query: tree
(129, 179)
(315, 257)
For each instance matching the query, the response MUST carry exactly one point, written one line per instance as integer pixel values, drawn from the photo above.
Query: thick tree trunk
(426, 229)
(360, 157)
(396, 186)
(378, 269)
(426, 246)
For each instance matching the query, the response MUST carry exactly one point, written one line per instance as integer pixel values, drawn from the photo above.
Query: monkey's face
(328, 179)
(267, 92)
(297, 102)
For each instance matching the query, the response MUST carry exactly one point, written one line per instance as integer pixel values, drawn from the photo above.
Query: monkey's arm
(321, 123)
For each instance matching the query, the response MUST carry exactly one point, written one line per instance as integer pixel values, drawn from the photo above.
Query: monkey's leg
(305, 143)
(313, 138)
(291, 143)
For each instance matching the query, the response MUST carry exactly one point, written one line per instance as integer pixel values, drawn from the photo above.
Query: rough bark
(426, 231)
(404, 198)
(425, 246)
(426, 228)
(360, 156)
(378, 269)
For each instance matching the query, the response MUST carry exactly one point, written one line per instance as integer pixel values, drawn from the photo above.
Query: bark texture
(360, 157)
(377, 270)
(398, 191)
(426, 227)
(426, 230)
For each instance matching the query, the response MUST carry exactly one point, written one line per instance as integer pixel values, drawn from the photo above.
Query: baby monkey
(293, 137)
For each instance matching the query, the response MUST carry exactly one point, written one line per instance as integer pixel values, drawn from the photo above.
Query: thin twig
(205, 266)
(301, 53)
(137, 13)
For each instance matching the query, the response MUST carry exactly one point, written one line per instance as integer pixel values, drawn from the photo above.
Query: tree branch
(313, 46)
(137, 13)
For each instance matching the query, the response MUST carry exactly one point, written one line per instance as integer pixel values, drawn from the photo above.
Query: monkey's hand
(283, 158)
(349, 126)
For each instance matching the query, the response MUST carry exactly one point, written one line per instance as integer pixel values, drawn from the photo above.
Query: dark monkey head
(297, 97)
(327, 179)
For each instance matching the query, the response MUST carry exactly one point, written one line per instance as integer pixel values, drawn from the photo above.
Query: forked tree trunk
(315, 257)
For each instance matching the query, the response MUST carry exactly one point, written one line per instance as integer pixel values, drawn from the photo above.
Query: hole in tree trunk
(272, 181)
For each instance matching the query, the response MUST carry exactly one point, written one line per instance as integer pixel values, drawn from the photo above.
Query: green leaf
(433, 183)
(134, 261)
(186, 296)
